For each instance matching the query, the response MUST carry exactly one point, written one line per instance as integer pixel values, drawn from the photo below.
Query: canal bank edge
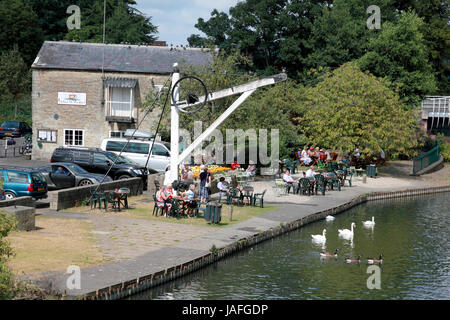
(131, 287)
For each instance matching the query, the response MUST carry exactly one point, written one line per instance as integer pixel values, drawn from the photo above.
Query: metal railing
(426, 159)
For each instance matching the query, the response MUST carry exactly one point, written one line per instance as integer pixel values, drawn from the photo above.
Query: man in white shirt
(310, 173)
(290, 181)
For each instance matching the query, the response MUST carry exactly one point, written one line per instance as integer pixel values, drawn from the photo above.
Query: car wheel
(9, 195)
(124, 177)
(84, 182)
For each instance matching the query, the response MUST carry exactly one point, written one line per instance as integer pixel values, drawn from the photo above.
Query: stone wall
(25, 216)
(48, 114)
(21, 201)
(72, 197)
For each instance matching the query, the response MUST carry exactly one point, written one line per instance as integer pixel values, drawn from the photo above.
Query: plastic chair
(320, 183)
(112, 198)
(97, 197)
(304, 186)
(259, 197)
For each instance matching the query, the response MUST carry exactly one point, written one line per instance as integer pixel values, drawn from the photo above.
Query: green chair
(348, 178)
(289, 165)
(320, 183)
(175, 211)
(260, 198)
(97, 197)
(156, 208)
(111, 198)
(304, 186)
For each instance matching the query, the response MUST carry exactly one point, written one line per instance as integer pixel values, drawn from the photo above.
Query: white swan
(347, 233)
(319, 237)
(369, 223)
(329, 218)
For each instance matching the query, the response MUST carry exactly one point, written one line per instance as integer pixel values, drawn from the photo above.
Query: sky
(176, 18)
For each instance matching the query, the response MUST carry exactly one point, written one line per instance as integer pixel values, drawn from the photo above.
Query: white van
(138, 150)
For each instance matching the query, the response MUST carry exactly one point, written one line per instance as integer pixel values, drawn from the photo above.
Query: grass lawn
(141, 207)
(54, 245)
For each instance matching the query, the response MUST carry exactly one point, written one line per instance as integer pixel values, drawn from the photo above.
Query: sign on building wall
(72, 98)
(47, 135)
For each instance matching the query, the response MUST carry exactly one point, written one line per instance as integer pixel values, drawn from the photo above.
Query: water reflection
(411, 233)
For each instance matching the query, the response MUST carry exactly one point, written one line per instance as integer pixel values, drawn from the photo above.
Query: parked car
(14, 129)
(98, 161)
(61, 175)
(20, 182)
(138, 151)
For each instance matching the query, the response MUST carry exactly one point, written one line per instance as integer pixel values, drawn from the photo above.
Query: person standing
(205, 183)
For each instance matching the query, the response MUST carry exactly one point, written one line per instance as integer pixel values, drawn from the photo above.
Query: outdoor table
(247, 193)
(120, 196)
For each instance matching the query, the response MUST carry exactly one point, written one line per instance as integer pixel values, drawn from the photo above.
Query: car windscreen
(131, 147)
(37, 177)
(120, 159)
(10, 124)
(76, 169)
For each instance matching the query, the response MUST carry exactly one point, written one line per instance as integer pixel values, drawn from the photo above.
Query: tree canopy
(19, 27)
(124, 23)
(401, 55)
(350, 108)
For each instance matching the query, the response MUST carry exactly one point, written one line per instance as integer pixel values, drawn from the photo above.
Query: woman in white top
(304, 157)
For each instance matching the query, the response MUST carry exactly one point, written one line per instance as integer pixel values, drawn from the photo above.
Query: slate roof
(118, 58)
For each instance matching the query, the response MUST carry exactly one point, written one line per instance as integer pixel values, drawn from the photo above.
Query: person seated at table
(235, 165)
(287, 178)
(192, 203)
(223, 186)
(313, 155)
(161, 201)
(251, 169)
(167, 196)
(310, 173)
(61, 170)
(304, 157)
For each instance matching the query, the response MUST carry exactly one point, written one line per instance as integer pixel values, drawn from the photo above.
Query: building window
(119, 97)
(73, 137)
(116, 134)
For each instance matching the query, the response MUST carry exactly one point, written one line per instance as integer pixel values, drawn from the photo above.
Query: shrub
(7, 223)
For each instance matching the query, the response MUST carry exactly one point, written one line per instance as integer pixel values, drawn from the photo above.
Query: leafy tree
(349, 108)
(124, 23)
(19, 27)
(195, 40)
(15, 77)
(401, 55)
(7, 223)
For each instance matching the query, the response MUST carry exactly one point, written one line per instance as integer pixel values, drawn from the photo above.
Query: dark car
(61, 175)
(98, 161)
(22, 182)
(14, 129)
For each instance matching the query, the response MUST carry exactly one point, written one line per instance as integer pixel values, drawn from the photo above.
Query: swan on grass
(369, 223)
(346, 233)
(319, 237)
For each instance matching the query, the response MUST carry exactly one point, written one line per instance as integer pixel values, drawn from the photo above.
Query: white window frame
(73, 135)
(109, 102)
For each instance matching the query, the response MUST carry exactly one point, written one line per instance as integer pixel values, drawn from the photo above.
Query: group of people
(310, 174)
(311, 155)
(166, 195)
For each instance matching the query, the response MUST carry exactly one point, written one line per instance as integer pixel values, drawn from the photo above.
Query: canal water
(411, 233)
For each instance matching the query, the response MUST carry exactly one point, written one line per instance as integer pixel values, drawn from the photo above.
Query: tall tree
(401, 55)
(124, 23)
(15, 77)
(349, 108)
(19, 27)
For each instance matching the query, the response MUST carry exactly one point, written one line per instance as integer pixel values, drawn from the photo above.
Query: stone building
(85, 92)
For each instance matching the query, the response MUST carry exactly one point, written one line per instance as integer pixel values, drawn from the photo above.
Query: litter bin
(371, 170)
(213, 213)
(208, 212)
(216, 213)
